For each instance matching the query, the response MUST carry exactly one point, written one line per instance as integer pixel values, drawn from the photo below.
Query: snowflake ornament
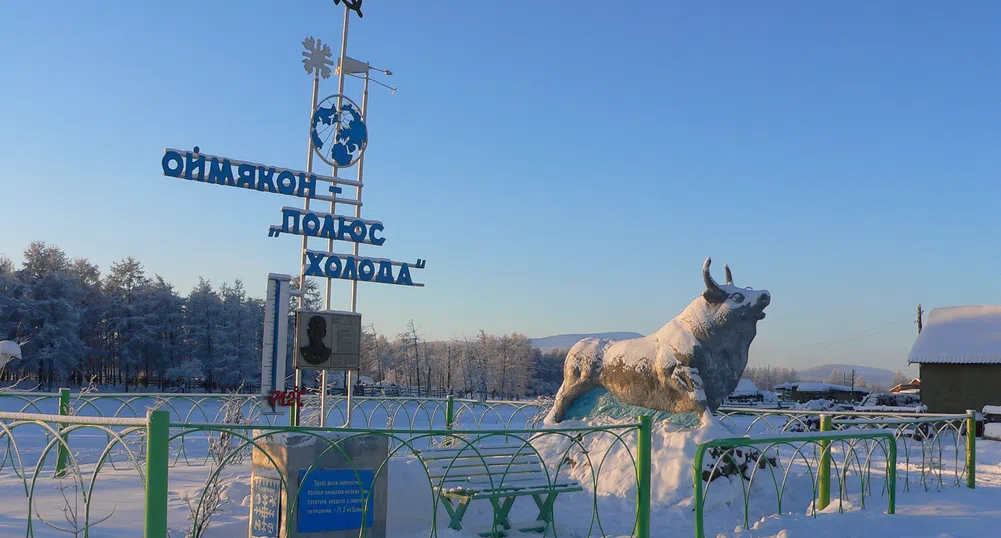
(316, 57)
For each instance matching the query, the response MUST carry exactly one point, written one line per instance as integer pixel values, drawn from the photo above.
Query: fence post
(62, 453)
(449, 418)
(697, 499)
(891, 475)
(643, 478)
(157, 459)
(824, 473)
(971, 449)
(449, 412)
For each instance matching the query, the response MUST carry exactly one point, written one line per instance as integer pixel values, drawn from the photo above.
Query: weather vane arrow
(353, 5)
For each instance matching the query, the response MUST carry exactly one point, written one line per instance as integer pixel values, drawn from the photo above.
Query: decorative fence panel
(935, 448)
(787, 459)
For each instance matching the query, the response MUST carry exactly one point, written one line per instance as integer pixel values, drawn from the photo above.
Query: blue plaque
(265, 507)
(334, 500)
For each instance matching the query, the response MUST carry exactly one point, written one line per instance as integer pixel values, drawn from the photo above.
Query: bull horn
(711, 285)
(729, 275)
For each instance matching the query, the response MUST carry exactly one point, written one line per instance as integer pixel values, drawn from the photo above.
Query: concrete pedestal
(333, 487)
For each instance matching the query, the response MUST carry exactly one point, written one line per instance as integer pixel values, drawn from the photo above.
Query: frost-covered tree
(50, 314)
(167, 325)
(203, 333)
(129, 330)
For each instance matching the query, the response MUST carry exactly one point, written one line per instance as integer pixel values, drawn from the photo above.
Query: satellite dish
(8, 352)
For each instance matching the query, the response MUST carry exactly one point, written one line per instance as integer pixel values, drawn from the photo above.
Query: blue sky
(563, 166)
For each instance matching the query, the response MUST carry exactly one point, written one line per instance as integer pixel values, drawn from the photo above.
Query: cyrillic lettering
(246, 173)
(366, 270)
(377, 241)
(264, 176)
(404, 276)
(190, 165)
(221, 174)
(307, 186)
(314, 264)
(350, 270)
(286, 182)
(385, 273)
(333, 267)
(310, 224)
(357, 231)
(172, 157)
(287, 215)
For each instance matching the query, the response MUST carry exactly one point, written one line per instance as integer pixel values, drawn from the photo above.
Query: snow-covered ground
(945, 511)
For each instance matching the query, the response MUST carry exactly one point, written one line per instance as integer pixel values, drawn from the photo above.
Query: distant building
(804, 391)
(911, 387)
(959, 353)
(747, 393)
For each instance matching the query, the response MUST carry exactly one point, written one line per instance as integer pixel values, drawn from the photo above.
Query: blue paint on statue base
(598, 402)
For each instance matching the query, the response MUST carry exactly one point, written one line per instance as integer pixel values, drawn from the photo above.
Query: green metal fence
(367, 412)
(851, 454)
(936, 450)
(36, 450)
(576, 455)
(580, 455)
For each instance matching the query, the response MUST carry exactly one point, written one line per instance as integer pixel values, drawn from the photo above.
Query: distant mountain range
(566, 341)
(871, 374)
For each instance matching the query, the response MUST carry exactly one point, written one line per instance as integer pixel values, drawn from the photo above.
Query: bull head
(752, 302)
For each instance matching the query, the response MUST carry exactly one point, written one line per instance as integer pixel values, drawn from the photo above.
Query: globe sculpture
(339, 136)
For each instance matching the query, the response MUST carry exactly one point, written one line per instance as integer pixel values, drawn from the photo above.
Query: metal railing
(36, 448)
(934, 446)
(67, 447)
(579, 454)
(813, 454)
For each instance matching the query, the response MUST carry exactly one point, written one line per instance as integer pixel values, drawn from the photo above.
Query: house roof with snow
(959, 335)
(806, 386)
(745, 387)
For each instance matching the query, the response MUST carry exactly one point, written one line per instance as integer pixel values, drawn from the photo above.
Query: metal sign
(274, 350)
(328, 340)
(338, 134)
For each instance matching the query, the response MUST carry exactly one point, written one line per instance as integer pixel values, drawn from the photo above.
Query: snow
(950, 511)
(745, 387)
(992, 431)
(960, 335)
(992, 410)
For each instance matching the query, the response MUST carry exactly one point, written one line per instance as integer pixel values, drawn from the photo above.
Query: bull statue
(689, 365)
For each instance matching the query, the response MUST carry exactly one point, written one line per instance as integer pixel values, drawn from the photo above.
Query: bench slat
(471, 452)
(491, 481)
(514, 491)
(488, 482)
(488, 461)
(495, 470)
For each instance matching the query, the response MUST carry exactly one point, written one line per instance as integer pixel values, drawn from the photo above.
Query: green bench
(500, 474)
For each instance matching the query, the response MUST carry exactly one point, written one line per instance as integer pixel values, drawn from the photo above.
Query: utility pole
(919, 318)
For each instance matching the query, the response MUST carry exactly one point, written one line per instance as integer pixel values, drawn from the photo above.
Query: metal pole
(157, 459)
(643, 442)
(971, 449)
(294, 410)
(62, 451)
(824, 478)
(330, 242)
(697, 498)
(354, 283)
(891, 476)
(361, 169)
